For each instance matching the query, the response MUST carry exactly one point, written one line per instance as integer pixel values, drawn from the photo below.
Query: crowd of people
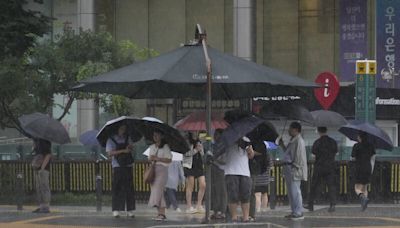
(240, 176)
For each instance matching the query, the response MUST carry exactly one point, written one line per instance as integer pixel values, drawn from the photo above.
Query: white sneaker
(130, 214)
(200, 209)
(178, 210)
(191, 210)
(116, 214)
(264, 209)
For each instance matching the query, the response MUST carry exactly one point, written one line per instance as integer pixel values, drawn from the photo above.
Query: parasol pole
(202, 37)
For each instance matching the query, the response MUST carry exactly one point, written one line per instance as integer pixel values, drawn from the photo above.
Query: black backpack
(123, 159)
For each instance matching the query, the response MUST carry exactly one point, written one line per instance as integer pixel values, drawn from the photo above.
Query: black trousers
(122, 189)
(319, 175)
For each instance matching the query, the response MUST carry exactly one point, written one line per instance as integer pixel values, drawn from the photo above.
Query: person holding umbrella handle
(294, 169)
(41, 166)
(119, 148)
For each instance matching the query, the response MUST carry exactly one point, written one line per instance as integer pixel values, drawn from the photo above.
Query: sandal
(161, 217)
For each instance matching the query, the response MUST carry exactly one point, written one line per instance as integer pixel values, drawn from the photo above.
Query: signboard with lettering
(353, 36)
(365, 90)
(388, 43)
(327, 94)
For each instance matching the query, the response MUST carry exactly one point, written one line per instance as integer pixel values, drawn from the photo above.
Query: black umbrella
(39, 125)
(288, 110)
(376, 135)
(111, 128)
(235, 131)
(263, 132)
(326, 118)
(163, 76)
(173, 137)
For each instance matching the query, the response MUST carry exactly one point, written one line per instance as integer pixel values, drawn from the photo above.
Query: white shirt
(164, 152)
(236, 161)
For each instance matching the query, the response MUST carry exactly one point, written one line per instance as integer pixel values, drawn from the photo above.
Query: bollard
(19, 191)
(99, 192)
(272, 202)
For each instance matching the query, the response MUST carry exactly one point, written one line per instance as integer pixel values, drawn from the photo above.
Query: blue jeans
(170, 198)
(294, 191)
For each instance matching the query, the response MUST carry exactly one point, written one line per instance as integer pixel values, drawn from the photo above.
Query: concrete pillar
(244, 29)
(88, 110)
(244, 35)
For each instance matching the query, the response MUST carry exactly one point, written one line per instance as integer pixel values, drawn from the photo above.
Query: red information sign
(327, 94)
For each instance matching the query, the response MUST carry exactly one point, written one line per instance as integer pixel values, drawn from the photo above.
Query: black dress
(362, 152)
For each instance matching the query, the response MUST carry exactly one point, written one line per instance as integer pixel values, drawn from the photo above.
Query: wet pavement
(387, 215)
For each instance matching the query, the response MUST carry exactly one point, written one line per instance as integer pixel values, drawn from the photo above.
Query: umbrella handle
(284, 127)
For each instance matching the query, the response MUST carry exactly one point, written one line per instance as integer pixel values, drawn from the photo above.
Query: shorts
(238, 188)
(263, 189)
(196, 173)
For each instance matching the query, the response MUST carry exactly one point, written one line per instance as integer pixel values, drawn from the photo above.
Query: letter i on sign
(326, 89)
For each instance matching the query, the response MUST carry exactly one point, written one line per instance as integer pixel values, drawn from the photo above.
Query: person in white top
(237, 177)
(160, 153)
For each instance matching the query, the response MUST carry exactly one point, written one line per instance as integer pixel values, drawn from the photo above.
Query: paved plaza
(387, 215)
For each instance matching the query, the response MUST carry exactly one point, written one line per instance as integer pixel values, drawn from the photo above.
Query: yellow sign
(372, 67)
(361, 67)
(366, 67)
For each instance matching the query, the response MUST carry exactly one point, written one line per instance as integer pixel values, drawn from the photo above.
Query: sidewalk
(377, 215)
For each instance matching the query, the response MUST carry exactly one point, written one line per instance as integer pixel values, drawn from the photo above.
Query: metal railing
(81, 176)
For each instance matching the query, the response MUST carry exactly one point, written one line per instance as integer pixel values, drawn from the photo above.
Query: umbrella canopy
(147, 126)
(39, 125)
(111, 128)
(264, 132)
(175, 156)
(375, 135)
(235, 131)
(196, 121)
(163, 76)
(289, 110)
(326, 118)
(88, 138)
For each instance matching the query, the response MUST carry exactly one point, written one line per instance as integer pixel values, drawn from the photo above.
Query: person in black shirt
(362, 153)
(42, 149)
(324, 149)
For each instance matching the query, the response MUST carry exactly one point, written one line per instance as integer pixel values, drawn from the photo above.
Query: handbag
(150, 172)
